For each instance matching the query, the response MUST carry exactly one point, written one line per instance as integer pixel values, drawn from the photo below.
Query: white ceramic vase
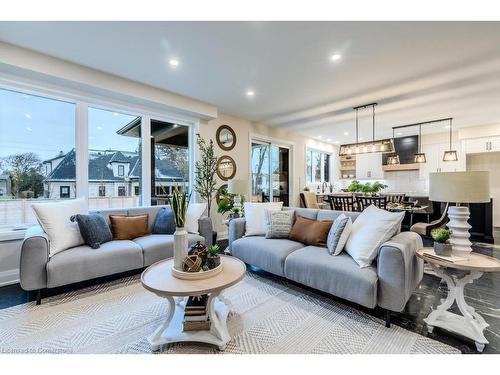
(459, 228)
(180, 247)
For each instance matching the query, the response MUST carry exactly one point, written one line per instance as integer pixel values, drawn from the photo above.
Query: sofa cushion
(84, 263)
(164, 222)
(151, 211)
(338, 275)
(265, 253)
(329, 215)
(157, 247)
(94, 229)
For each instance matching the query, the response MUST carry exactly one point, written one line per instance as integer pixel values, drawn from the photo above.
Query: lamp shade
(460, 187)
(238, 187)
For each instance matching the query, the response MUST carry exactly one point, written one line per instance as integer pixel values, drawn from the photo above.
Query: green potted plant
(441, 237)
(213, 258)
(226, 205)
(206, 169)
(180, 201)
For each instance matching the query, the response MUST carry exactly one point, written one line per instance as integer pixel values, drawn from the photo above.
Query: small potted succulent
(441, 237)
(213, 258)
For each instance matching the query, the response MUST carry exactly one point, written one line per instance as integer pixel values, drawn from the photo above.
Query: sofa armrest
(236, 229)
(399, 270)
(205, 229)
(34, 259)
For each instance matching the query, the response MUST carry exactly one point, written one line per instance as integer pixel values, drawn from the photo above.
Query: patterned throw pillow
(278, 223)
(94, 229)
(338, 235)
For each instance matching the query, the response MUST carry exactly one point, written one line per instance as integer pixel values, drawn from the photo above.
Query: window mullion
(81, 150)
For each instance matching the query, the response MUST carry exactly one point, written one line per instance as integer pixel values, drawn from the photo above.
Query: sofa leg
(387, 318)
(39, 297)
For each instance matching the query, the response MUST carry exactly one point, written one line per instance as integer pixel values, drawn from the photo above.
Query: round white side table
(470, 324)
(158, 279)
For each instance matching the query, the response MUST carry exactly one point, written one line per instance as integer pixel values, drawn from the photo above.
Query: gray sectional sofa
(387, 283)
(38, 271)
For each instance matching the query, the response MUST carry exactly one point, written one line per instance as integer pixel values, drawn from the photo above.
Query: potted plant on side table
(441, 237)
(213, 258)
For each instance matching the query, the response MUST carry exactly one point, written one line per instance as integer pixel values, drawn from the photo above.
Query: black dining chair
(363, 202)
(395, 198)
(342, 202)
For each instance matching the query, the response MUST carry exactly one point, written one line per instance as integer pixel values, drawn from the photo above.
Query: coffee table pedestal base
(171, 330)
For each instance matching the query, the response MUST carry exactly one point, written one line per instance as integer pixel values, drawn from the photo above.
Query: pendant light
(393, 159)
(450, 155)
(381, 145)
(420, 156)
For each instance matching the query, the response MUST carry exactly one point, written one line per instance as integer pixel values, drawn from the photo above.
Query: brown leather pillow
(310, 232)
(129, 227)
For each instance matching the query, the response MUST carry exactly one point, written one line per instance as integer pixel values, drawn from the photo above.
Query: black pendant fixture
(450, 155)
(393, 158)
(381, 145)
(420, 156)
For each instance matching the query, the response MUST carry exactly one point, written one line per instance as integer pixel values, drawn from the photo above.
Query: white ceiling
(416, 71)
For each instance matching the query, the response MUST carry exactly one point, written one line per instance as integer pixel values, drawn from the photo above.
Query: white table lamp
(238, 187)
(459, 187)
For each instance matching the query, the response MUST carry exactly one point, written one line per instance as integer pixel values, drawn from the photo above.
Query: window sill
(11, 234)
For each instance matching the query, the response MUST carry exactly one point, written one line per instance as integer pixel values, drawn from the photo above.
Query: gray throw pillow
(94, 229)
(278, 223)
(164, 221)
(338, 235)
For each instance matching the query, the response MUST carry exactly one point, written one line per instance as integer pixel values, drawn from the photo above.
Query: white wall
(241, 153)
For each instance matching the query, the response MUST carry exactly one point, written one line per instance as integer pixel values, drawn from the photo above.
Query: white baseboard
(9, 277)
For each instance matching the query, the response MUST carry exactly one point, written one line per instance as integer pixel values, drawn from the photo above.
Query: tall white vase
(459, 227)
(180, 247)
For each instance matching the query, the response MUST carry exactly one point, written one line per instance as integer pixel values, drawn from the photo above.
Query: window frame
(61, 191)
(322, 154)
(83, 100)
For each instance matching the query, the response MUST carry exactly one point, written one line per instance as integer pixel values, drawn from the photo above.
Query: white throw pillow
(255, 216)
(193, 214)
(369, 231)
(54, 218)
(338, 235)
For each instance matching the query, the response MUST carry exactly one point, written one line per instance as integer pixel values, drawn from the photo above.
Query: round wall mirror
(226, 137)
(226, 167)
(221, 193)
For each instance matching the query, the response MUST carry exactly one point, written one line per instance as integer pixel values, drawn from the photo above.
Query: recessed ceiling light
(250, 93)
(319, 137)
(399, 133)
(346, 133)
(447, 127)
(173, 62)
(336, 57)
(27, 115)
(337, 142)
(328, 139)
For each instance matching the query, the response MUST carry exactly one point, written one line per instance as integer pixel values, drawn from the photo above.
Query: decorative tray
(200, 275)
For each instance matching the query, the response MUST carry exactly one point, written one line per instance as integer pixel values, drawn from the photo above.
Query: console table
(470, 324)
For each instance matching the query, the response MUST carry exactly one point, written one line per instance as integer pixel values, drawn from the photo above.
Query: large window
(318, 166)
(37, 142)
(114, 158)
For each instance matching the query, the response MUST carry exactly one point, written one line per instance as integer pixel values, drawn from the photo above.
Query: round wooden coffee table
(470, 324)
(158, 279)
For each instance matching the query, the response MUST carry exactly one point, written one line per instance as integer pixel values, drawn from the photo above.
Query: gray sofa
(387, 283)
(38, 271)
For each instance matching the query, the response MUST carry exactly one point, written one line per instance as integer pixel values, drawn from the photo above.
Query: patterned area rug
(268, 316)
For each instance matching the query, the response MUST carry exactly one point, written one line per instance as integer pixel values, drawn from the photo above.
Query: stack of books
(196, 314)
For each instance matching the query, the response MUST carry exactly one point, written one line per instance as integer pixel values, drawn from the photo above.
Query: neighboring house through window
(121, 170)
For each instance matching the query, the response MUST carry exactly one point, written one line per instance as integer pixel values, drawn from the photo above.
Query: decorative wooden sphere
(192, 263)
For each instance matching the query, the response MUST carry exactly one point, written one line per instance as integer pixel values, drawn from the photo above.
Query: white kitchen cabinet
(434, 156)
(369, 166)
(480, 145)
